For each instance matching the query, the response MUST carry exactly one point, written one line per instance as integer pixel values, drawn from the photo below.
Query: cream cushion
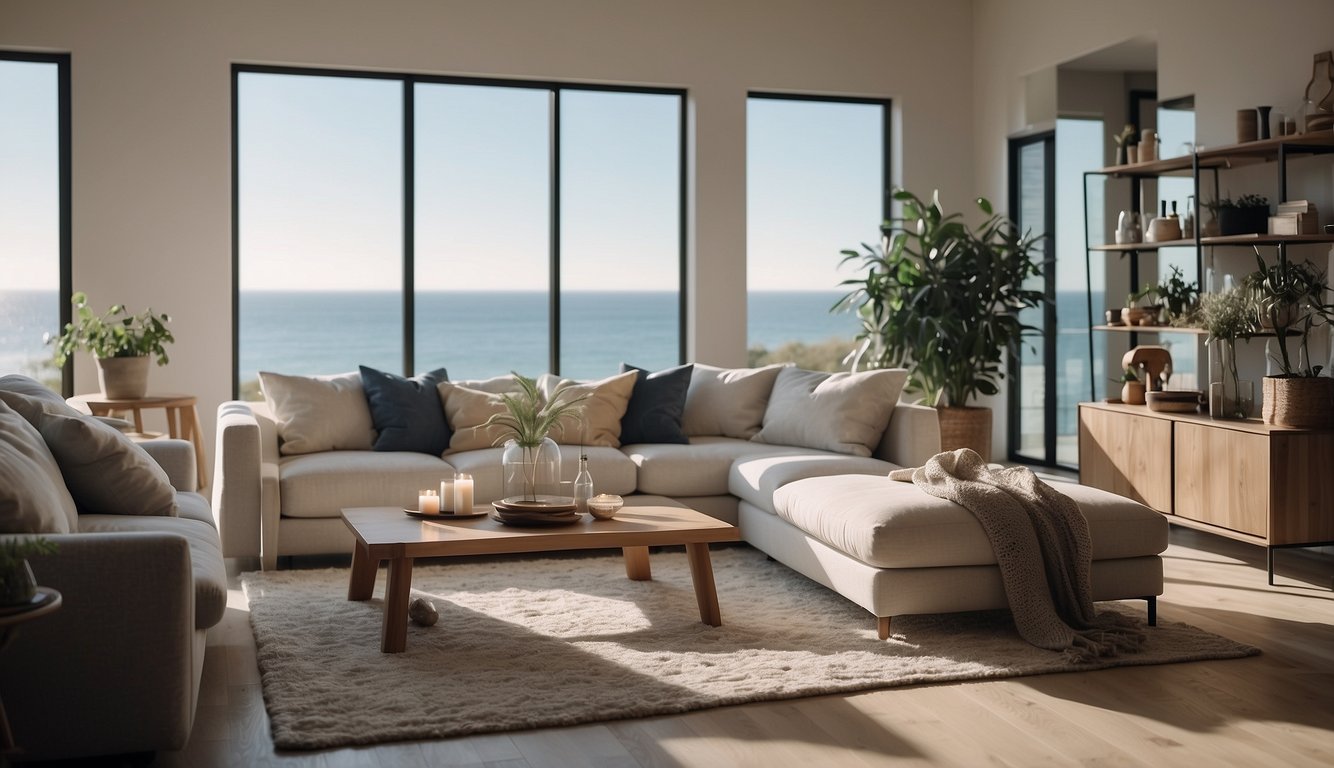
(889, 524)
(506, 384)
(756, 478)
(319, 413)
(604, 403)
(697, 469)
(728, 401)
(33, 497)
(322, 484)
(467, 411)
(103, 469)
(839, 412)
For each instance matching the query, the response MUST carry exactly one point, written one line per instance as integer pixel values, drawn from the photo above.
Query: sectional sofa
(797, 459)
(117, 668)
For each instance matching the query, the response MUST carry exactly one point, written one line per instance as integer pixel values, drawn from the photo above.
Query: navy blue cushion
(657, 406)
(407, 412)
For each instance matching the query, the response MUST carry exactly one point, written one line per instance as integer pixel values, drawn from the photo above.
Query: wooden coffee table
(386, 533)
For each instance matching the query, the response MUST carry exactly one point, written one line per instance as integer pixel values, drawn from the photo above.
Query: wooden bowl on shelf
(1174, 400)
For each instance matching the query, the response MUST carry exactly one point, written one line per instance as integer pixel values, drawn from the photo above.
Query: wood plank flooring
(1275, 709)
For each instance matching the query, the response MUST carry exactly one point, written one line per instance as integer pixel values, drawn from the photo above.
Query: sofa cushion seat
(698, 469)
(322, 484)
(755, 479)
(890, 524)
(612, 471)
(210, 573)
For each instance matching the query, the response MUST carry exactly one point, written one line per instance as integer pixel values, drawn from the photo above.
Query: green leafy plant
(1289, 298)
(115, 333)
(529, 416)
(1245, 201)
(1226, 317)
(1127, 136)
(15, 550)
(1180, 298)
(1128, 375)
(942, 299)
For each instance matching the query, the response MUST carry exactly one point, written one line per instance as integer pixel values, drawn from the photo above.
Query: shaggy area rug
(526, 643)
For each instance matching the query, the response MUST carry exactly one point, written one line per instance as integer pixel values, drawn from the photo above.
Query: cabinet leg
(1269, 564)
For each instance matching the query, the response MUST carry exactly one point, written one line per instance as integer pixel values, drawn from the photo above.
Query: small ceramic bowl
(604, 506)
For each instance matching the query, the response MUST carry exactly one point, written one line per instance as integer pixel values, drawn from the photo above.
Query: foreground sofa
(140, 571)
(828, 514)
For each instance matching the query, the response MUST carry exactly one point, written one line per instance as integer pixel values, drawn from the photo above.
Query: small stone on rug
(423, 612)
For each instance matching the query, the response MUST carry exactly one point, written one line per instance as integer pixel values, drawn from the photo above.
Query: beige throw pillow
(602, 409)
(839, 412)
(33, 497)
(319, 413)
(466, 410)
(105, 471)
(728, 401)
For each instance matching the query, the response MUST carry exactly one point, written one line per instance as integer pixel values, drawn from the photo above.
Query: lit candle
(447, 495)
(428, 503)
(462, 493)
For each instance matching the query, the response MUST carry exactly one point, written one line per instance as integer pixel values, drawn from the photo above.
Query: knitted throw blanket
(1042, 546)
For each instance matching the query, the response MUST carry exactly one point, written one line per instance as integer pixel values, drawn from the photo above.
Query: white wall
(1230, 54)
(152, 125)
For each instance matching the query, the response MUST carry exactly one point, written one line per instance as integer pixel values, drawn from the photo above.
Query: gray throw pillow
(839, 412)
(728, 401)
(33, 497)
(105, 471)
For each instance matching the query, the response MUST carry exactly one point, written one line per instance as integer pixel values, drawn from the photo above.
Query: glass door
(1032, 205)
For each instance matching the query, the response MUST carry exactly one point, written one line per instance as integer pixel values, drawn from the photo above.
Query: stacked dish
(542, 510)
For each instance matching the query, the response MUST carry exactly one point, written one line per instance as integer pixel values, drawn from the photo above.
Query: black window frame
(65, 291)
(409, 80)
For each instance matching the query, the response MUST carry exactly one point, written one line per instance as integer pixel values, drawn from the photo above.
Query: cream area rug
(526, 642)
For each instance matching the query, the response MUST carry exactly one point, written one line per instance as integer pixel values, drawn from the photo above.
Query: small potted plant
(1180, 299)
(1289, 299)
(1124, 141)
(1138, 309)
(1226, 317)
(17, 584)
(120, 342)
(1247, 215)
(1132, 389)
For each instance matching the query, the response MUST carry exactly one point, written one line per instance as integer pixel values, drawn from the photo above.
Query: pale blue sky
(29, 176)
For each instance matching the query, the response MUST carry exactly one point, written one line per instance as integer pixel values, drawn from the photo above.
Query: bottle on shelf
(583, 486)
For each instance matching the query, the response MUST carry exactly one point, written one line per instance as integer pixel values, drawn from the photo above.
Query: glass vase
(17, 584)
(1230, 396)
(532, 472)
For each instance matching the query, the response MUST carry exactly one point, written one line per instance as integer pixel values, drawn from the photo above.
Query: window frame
(409, 80)
(64, 176)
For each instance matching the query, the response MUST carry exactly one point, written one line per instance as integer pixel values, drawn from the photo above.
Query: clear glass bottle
(583, 486)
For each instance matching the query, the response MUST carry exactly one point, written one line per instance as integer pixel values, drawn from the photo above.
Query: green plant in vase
(1289, 299)
(532, 459)
(17, 584)
(1180, 298)
(1227, 317)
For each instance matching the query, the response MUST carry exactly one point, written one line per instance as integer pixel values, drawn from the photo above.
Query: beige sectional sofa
(831, 515)
(116, 669)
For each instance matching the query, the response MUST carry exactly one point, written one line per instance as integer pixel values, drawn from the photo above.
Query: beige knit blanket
(1042, 546)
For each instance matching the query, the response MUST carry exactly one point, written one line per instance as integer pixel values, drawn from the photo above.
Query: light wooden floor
(1276, 709)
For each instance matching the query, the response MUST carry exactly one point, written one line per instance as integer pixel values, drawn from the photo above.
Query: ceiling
(1138, 54)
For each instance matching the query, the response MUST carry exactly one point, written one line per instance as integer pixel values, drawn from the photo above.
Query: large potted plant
(120, 342)
(531, 459)
(1289, 298)
(944, 301)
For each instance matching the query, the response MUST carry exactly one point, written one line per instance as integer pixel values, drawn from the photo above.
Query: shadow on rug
(530, 643)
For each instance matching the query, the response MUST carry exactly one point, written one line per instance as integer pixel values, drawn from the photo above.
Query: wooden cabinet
(1271, 486)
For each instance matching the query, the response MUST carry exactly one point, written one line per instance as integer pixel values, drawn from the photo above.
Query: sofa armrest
(114, 664)
(913, 435)
(238, 486)
(177, 458)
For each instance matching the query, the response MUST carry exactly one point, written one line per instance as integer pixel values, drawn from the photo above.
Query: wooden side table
(47, 601)
(182, 419)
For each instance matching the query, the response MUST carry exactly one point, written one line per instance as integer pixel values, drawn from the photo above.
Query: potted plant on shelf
(531, 459)
(944, 301)
(1132, 389)
(17, 584)
(1289, 298)
(1248, 214)
(1138, 310)
(1226, 317)
(120, 342)
(1180, 299)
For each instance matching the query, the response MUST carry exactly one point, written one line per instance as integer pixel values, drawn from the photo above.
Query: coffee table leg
(701, 572)
(362, 582)
(394, 638)
(636, 564)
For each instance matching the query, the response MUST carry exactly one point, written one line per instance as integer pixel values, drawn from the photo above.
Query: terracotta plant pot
(966, 427)
(123, 378)
(1132, 393)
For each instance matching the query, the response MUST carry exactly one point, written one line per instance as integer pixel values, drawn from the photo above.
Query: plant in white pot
(944, 301)
(531, 459)
(1289, 298)
(122, 343)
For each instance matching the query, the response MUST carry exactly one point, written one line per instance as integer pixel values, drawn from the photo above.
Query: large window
(410, 223)
(34, 205)
(817, 182)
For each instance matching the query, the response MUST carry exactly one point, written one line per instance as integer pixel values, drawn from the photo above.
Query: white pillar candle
(428, 503)
(447, 495)
(462, 493)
